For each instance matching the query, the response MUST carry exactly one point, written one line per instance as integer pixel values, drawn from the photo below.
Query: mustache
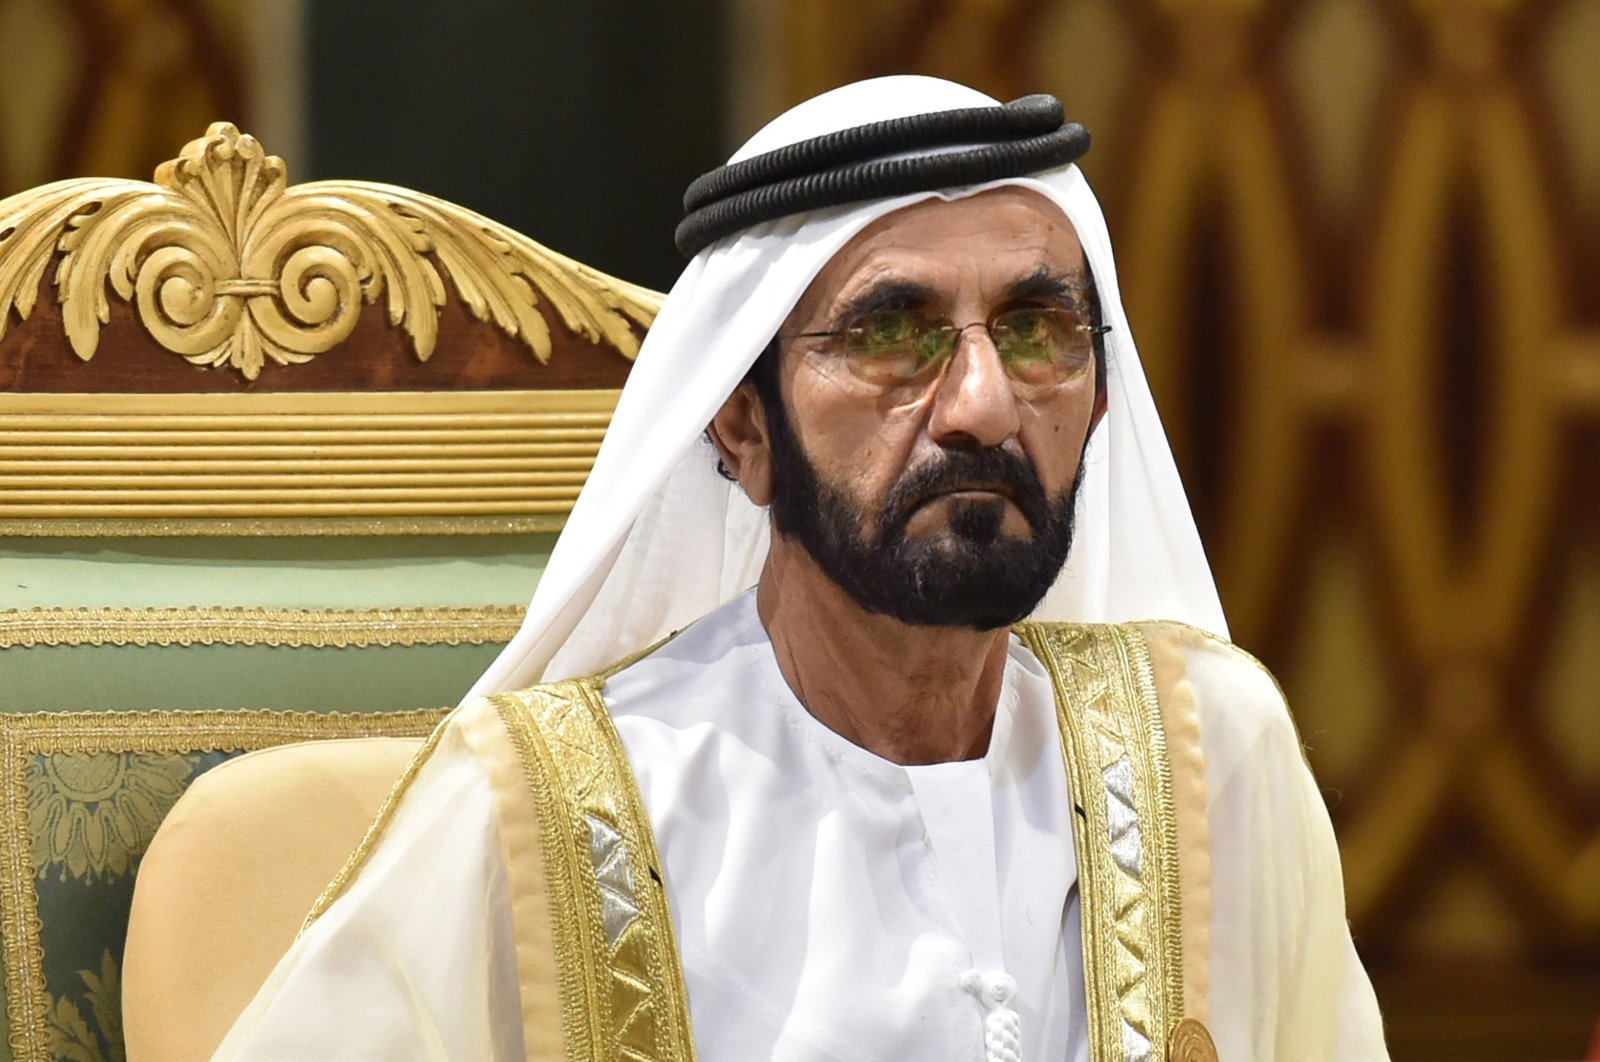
(991, 469)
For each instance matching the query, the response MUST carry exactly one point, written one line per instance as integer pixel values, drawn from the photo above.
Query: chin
(983, 522)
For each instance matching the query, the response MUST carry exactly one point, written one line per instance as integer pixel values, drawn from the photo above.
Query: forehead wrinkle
(879, 253)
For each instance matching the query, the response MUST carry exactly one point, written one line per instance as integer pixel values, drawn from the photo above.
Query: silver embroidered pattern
(619, 908)
(1135, 1045)
(1122, 819)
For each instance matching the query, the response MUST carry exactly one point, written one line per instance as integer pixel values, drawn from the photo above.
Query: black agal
(919, 153)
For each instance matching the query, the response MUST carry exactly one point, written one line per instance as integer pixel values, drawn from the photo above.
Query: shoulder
(668, 684)
(1237, 705)
(1218, 663)
(1263, 807)
(1213, 668)
(722, 654)
(537, 700)
(678, 659)
(1239, 702)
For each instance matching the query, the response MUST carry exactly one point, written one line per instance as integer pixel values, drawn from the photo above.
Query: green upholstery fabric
(85, 792)
(315, 658)
(104, 723)
(117, 677)
(304, 572)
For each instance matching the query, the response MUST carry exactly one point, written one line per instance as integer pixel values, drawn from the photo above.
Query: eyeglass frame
(955, 332)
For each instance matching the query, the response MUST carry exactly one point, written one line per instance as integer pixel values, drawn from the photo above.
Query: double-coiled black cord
(1028, 135)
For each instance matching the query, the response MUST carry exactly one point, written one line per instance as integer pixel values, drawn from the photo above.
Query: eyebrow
(1068, 288)
(885, 295)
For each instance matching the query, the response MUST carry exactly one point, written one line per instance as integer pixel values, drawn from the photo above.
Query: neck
(912, 695)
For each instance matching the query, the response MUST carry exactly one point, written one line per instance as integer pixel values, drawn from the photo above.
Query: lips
(975, 494)
(974, 488)
(994, 473)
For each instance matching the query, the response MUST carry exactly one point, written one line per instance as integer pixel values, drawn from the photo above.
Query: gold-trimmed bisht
(1114, 738)
(615, 989)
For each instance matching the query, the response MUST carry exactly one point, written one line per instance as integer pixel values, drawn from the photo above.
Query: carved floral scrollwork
(228, 265)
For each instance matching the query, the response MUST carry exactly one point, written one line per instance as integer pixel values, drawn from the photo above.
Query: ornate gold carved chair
(277, 463)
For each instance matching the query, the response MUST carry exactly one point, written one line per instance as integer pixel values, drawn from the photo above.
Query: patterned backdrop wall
(107, 87)
(1359, 244)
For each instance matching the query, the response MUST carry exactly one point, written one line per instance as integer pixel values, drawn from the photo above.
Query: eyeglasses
(1040, 347)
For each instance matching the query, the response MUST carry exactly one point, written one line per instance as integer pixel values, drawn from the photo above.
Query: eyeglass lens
(1039, 347)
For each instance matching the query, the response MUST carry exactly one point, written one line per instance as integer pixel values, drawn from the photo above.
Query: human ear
(739, 432)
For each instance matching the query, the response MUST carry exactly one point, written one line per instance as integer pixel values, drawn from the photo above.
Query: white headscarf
(658, 538)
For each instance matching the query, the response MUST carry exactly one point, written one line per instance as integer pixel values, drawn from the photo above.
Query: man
(860, 811)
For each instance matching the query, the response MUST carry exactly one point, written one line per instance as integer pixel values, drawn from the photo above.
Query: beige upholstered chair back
(228, 880)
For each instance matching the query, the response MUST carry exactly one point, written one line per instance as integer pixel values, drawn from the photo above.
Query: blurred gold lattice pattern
(106, 88)
(1359, 244)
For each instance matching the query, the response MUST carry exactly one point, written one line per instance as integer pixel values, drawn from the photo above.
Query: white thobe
(828, 903)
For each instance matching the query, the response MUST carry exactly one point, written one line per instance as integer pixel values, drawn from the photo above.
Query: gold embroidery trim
(30, 734)
(283, 527)
(662, 958)
(339, 628)
(527, 877)
(1186, 757)
(1115, 751)
(575, 972)
(576, 772)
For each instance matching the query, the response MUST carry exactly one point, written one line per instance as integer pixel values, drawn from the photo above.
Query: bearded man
(862, 811)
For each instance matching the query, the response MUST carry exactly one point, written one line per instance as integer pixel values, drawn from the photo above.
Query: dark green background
(576, 123)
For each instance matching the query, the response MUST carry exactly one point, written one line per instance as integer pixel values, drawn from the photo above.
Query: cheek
(1053, 435)
(852, 439)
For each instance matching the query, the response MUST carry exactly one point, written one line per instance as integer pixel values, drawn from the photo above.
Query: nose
(974, 407)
